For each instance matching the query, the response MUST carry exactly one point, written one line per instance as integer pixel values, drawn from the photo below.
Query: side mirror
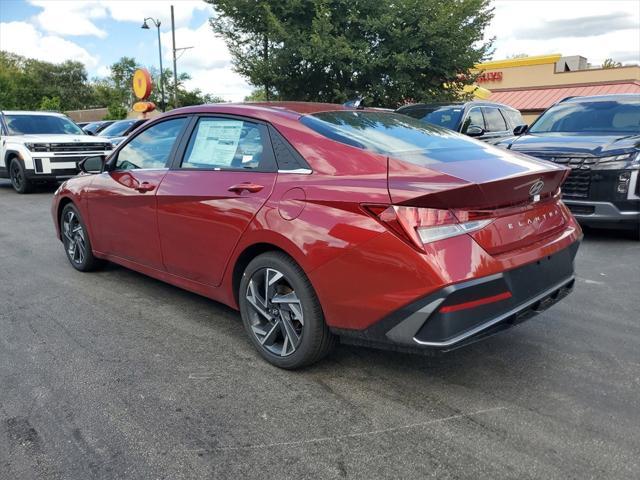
(89, 132)
(92, 164)
(520, 129)
(474, 131)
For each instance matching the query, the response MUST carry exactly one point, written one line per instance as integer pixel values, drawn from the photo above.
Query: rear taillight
(425, 225)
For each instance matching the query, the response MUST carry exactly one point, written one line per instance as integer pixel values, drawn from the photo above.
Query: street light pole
(146, 27)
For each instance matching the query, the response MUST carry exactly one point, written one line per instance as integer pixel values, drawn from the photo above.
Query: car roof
(266, 110)
(470, 103)
(601, 98)
(32, 112)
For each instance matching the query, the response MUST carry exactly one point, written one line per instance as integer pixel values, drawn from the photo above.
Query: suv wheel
(281, 312)
(18, 177)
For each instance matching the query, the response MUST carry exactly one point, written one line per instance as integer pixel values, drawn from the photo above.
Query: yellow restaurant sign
(142, 83)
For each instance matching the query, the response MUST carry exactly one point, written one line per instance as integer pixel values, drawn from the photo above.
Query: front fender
(19, 150)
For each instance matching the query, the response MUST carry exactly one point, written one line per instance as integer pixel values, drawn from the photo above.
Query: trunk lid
(517, 191)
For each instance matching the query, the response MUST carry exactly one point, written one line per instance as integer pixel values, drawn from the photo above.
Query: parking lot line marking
(352, 435)
(590, 282)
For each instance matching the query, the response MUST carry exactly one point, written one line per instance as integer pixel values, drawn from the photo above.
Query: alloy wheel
(75, 239)
(275, 312)
(17, 177)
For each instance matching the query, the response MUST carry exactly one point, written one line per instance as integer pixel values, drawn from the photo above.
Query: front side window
(495, 121)
(151, 148)
(475, 118)
(597, 117)
(41, 124)
(226, 143)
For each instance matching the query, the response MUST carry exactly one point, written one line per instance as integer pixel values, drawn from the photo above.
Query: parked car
(598, 137)
(118, 131)
(37, 147)
(82, 124)
(487, 121)
(318, 221)
(94, 128)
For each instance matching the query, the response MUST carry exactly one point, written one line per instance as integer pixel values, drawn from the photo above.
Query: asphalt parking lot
(118, 376)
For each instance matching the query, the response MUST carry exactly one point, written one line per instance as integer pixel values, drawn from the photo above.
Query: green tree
(50, 103)
(116, 111)
(25, 81)
(334, 50)
(611, 63)
(257, 95)
(120, 82)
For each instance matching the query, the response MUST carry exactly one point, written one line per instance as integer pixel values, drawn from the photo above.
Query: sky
(99, 32)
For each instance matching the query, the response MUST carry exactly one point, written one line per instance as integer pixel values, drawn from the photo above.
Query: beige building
(532, 84)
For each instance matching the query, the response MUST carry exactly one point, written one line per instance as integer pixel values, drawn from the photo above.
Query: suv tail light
(420, 226)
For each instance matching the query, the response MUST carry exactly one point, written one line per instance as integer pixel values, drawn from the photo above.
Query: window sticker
(216, 142)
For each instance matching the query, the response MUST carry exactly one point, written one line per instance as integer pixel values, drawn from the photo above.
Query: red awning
(542, 98)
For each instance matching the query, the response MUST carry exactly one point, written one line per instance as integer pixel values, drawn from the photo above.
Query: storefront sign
(490, 77)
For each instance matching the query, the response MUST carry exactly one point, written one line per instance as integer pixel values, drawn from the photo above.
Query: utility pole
(175, 69)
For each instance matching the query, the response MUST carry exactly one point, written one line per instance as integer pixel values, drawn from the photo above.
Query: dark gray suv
(488, 121)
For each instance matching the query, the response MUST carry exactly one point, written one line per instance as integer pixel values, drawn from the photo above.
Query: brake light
(424, 225)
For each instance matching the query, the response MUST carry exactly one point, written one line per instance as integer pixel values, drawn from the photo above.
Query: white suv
(38, 147)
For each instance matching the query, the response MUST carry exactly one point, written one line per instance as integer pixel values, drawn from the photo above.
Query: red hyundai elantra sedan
(319, 221)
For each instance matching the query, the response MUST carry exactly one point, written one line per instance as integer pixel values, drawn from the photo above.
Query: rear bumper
(465, 312)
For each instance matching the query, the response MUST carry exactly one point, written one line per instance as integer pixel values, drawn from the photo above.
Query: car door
(497, 127)
(122, 200)
(211, 194)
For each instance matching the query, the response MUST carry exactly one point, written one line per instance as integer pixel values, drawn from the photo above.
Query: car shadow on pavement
(220, 319)
(48, 187)
(605, 234)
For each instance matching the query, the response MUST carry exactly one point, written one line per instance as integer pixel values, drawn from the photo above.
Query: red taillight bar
(475, 303)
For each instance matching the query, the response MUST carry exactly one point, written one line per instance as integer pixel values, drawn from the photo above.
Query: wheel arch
(245, 257)
(64, 201)
(10, 155)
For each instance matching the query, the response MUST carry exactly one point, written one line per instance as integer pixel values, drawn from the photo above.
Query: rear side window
(444, 116)
(228, 144)
(392, 134)
(151, 148)
(513, 117)
(494, 120)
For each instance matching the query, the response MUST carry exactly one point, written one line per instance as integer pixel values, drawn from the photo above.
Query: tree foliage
(28, 84)
(25, 82)
(611, 63)
(388, 51)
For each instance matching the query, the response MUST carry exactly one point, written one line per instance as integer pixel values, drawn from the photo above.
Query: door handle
(249, 187)
(145, 187)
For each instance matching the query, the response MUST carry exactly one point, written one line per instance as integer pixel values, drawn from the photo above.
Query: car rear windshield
(598, 117)
(391, 134)
(447, 116)
(41, 124)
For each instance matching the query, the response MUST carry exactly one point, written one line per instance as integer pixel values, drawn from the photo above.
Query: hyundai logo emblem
(536, 188)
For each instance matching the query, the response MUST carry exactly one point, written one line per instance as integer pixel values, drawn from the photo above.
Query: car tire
(75, 238)
(281, 312)
(18, 176)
